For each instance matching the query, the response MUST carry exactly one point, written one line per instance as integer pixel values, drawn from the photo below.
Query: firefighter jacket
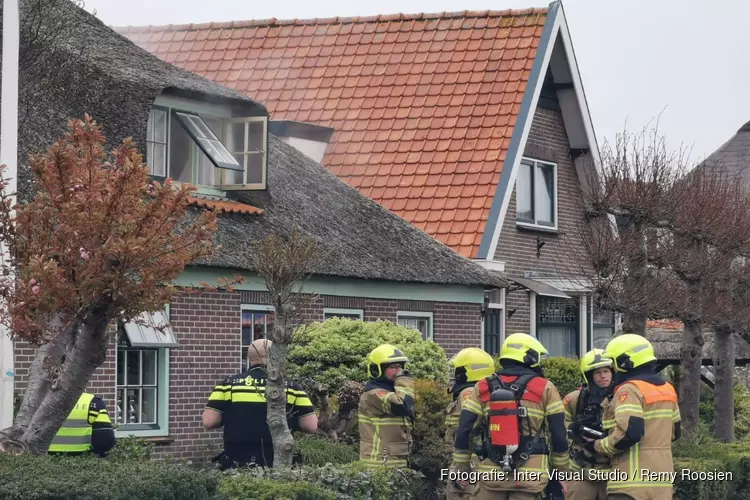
(386, 420)
(643, 419)
(87, 429)
(544, 406)
(581, 459)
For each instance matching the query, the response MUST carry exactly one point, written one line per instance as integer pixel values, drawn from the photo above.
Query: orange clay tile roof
(666, 324)
(423, 106)
(232, 207)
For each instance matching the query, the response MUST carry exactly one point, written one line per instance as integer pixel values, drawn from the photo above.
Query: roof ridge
(335, 20)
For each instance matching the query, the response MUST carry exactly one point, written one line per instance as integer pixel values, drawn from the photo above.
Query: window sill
(154, 434)
(525, 226)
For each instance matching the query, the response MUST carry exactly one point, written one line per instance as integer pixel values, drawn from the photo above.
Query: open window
(209, 151)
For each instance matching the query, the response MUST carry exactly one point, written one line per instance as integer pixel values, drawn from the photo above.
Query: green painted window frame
(420, 315)
(330, 312)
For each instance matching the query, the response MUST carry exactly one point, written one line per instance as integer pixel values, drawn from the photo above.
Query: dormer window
(207, 151)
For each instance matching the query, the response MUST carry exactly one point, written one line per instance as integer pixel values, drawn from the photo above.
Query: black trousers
(250, 456)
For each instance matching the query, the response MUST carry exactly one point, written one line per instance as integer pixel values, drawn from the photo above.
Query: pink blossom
(84, 253)
(35, 289)
(32, 282)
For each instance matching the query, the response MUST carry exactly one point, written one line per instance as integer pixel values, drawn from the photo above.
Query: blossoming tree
(97, 242)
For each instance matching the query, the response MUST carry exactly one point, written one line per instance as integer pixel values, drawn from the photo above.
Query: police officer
(643, 419)
(523, 473)
(468, 367)
(87, 429)
(386, 410)
(238, 404)
(583, 411)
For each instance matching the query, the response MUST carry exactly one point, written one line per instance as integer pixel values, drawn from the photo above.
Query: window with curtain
(557, 325)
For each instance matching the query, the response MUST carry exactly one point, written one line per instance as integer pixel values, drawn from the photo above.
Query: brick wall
(562, 250)
(208, 328)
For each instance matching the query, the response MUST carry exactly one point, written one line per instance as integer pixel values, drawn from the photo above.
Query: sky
(679, 64)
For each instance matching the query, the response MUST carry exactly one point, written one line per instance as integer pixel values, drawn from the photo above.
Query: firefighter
(87, 429)
(517, 407)
(643, 419)
(583, 411)
(468, 367)
(386, 410)
(238, 404)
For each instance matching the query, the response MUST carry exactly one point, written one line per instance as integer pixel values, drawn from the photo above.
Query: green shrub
(706, 454)
(348, 481)
(335, 350)
(27, 477)
(699, 490)
(741, 408)
(131, 449)
(319, 451)
(430, 452)
(243, 487)
(563, 372)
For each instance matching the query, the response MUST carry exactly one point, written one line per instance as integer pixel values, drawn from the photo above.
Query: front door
(492, 323)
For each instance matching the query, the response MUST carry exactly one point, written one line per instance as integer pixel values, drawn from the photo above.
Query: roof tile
(423, 106)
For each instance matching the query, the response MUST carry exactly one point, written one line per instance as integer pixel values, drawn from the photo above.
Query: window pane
(601, 336)
(121, 367)
(559, 340)
(524, 200)
(160, 126)
(150, 156)
(254, 136)
(149, 367)
(205, 170)
(233, 177)
(122, 410)
(544, 195)
(254, 168)
(159, 162)
(148, 407)
(132, 407)
(236, 138)
(180, 165)
(133, 368)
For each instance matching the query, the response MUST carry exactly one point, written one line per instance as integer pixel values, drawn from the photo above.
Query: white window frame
(150, 142)
(218, 174)
(555, 215)
(161, 428)
(337, 310)
(246, 152)
(259, 308)
(430, 317)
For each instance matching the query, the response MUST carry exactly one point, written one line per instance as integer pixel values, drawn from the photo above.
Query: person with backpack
(516, 407)
(468, 367)
(643, 419)
(583, 419)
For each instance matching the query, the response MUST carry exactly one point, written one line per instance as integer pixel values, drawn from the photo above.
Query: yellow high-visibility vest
(75, 434)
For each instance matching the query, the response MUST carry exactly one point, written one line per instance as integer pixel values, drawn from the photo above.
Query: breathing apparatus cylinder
(503, 428)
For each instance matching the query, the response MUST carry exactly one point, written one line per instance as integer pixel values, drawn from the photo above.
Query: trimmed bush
(247, 488)
(348, 482)
(27, 477)
(430, 452)
(319, 451)
(563, 372)
(707, 455)
(741, 408)
(335, 350)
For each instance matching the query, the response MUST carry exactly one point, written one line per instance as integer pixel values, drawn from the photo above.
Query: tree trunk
(283, 442)
(634, 319)
(724, 386)
(49, 400)
(634, 322)
(690, 376)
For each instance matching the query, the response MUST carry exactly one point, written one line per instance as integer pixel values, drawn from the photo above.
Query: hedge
(27, 477)
(335, 350)
(707, 455)
(319, 451)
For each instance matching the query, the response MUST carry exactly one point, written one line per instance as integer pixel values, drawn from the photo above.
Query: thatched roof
(667, 344)
(97, 71)
(733, 157)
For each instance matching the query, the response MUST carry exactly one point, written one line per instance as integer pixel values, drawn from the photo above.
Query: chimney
(308, 138)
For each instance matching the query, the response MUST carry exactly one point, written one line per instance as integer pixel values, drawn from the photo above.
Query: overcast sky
(683, 62)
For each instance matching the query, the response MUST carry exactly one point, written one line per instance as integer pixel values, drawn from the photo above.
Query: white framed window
(420, 321)
(333, 312)
(257, 323)
(536, 194)
(190, 147)
(142, 377)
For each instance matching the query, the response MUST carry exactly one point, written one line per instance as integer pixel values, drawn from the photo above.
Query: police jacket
(643, 419)
(544, 406)
(87, 429)
(241, 399)
(385, 417)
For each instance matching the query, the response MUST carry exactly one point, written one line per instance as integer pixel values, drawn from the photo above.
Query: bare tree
(676, 233)
(284, 264)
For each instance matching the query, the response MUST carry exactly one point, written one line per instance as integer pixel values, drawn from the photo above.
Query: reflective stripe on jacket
(75, 434)
(641, 417)
(570, 402)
